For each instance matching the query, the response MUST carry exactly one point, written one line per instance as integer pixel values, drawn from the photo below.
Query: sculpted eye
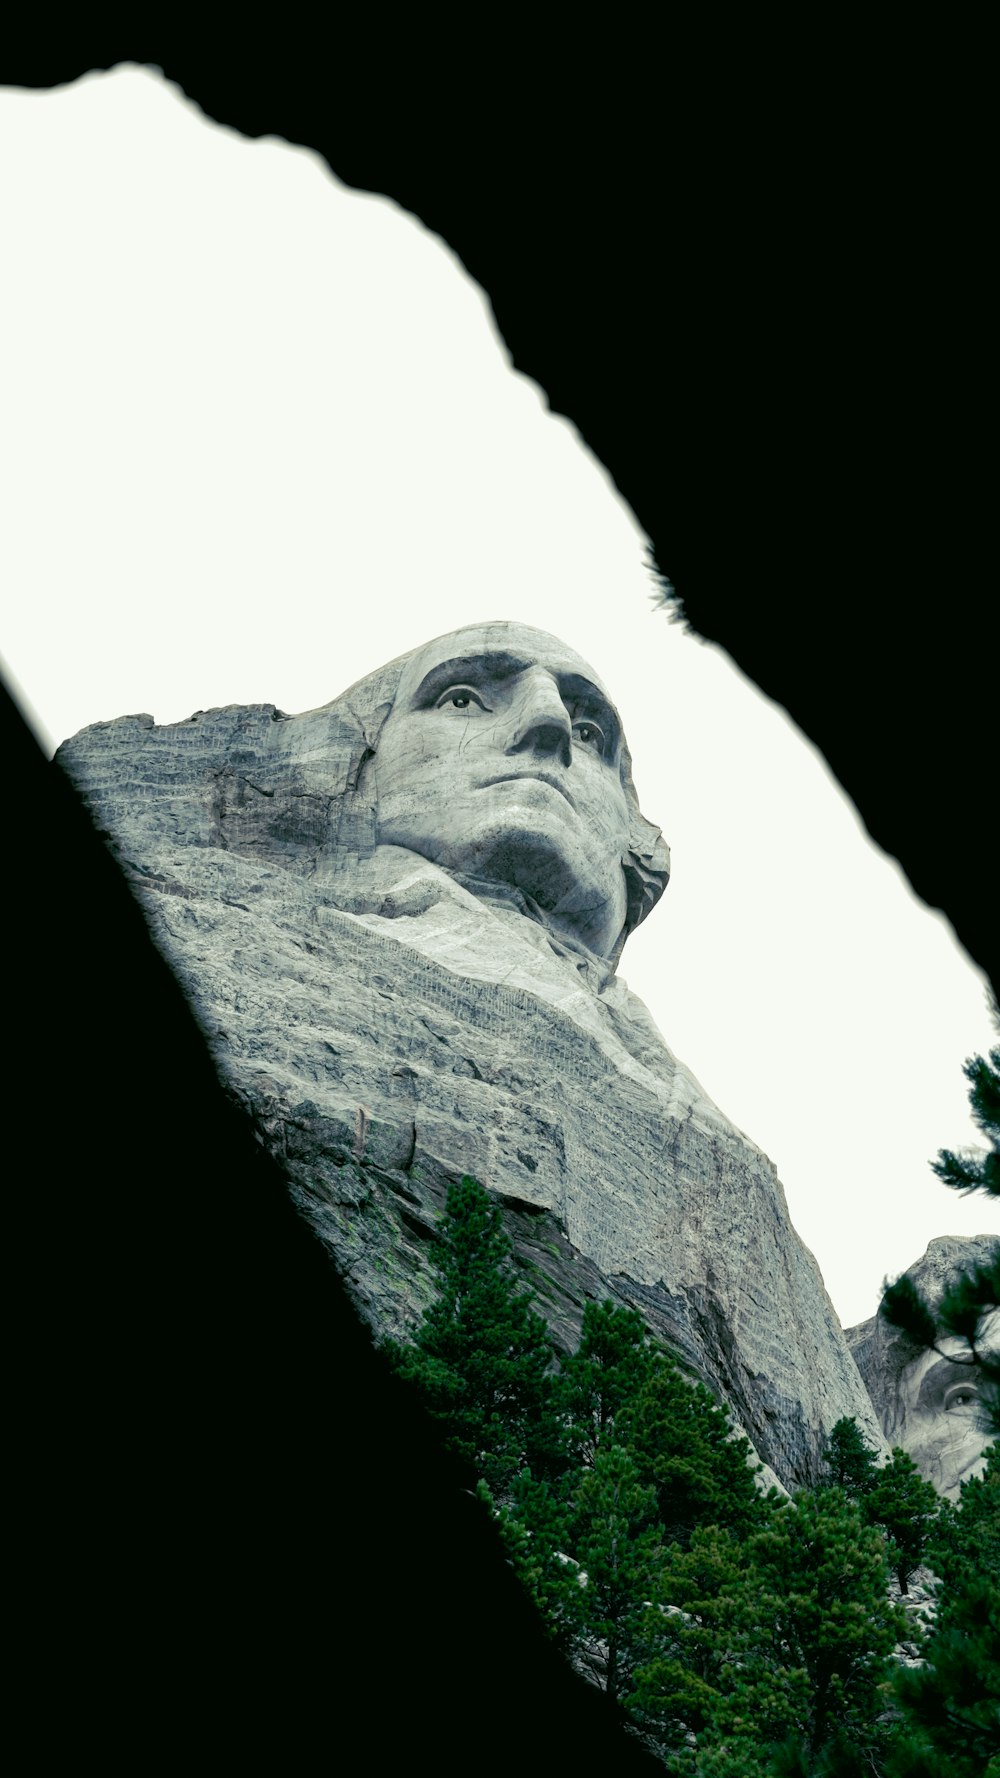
(461, 696)
(590, 734)
(963, 1395)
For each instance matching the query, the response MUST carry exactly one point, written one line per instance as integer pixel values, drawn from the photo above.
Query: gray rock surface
(928, 1402)
(391, 1022)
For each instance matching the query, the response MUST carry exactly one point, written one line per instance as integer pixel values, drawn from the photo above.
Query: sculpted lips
(535, 777)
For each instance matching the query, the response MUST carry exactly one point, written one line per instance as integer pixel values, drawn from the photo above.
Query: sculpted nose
(541, 721)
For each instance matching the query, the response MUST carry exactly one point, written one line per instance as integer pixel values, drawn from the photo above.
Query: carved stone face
(938, 1417)
(501, 761)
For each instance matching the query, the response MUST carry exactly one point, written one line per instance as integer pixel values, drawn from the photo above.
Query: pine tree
(824, 1632)
(586, 1543)
(596, 1382)
(481, 1357)
(684, 1445)
(537, 1531)
(777, 1660)
(696, 1637)
(619, 1547)
(951, 1703)
(849, 1461)
(907, 1508)
(965, 1542)
(970, 1172)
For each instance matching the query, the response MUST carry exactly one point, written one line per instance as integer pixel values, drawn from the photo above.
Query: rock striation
(929, 1402)
(390, 1021)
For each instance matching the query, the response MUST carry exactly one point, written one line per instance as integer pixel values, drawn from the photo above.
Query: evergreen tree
(639, 1439)
(596, 1382)
(696, 1637)
(824, 1632)
(778, 1658)
(618, 1544)
(906, 1507)
(971, 1172)
(749, 1634)
(684, 1445)
(951, 1704)
(965, 1542)
(536, 1529)
(481, 1356)
(849, 1461)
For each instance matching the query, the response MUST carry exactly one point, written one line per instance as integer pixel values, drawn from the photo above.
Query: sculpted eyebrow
(584, 696)
(588, 701)
(943, 1374)
(470, 667)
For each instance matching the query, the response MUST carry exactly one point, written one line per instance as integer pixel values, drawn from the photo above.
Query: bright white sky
(259, 434)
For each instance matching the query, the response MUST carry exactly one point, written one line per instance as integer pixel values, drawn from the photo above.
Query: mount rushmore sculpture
(399, 919)
(933, 1401)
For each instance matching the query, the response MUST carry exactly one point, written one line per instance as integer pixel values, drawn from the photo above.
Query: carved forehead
(508, 644)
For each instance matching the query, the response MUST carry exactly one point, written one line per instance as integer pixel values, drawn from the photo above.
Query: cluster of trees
(895, 1497)
(950, 1705)
(740, 1633)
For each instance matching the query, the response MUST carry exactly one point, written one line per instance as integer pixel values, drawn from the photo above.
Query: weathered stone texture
(388, 1030)
(929, 1402)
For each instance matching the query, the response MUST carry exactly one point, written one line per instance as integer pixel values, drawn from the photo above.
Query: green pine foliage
(619, 1546)
(969, 1173)
(824, 1632)
(598, 1381)
(849, 1462)
(481, 1357)
(963, 1312)
(649, 1458)
(951, 1704)
(696, 1635)
(906, 1508)
(684, 1444)
(745, 1635)
(903, 1305)
(965, 1542)
(772, 1654)
(536, 1528)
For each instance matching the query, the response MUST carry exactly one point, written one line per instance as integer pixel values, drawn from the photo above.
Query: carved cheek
(427, 748)
(614, 822)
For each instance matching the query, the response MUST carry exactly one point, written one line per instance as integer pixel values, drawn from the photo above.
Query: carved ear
(647, 869)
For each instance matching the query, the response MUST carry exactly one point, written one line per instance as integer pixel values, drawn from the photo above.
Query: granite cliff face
(389, 1028)
(929, 1402)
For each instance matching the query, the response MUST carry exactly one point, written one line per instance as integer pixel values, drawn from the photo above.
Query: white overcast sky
(259, 434)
